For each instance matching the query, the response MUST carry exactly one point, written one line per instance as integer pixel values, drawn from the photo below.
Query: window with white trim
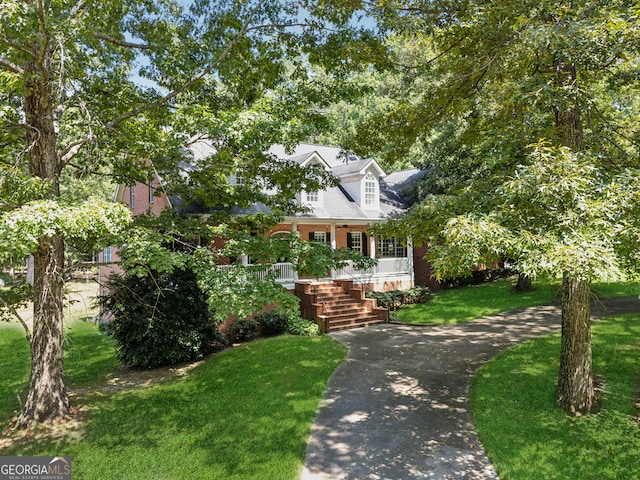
(355, 242)
(370, 189)
(390, 248)
(237, 179)
(320, 237)
(106, 255)
(312, 197)
(132, 196)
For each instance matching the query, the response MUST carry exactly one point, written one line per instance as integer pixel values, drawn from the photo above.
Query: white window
(237, 179)
(391, 248)
(355, 241)
(312, 197)
(132, 196)
(106, 256)
(151, 196)
(370, 189)
(320, 237)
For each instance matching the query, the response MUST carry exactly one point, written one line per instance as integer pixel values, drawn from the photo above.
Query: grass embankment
(243, 413)
(462, 304)
(527, 437)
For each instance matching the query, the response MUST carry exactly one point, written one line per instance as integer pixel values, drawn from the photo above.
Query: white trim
(315, 157)
(369, 180)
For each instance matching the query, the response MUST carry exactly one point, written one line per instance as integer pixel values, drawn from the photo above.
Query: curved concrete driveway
(397, 408)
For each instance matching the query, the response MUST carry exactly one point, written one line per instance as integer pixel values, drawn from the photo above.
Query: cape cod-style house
(339, 216)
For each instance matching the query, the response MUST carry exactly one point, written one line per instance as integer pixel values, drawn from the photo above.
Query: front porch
(388, 274)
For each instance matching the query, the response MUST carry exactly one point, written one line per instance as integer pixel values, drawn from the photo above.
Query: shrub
(478, 277)
(160, 319)
(273, 322)
(218, 342)
(304, 328)
(243, 329)
(395, 299)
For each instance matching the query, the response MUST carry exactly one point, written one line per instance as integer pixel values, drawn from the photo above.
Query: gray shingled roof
(402, 176)
(354, 166)
(336, 202)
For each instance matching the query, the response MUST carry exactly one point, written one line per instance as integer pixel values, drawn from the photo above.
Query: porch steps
(339, 306)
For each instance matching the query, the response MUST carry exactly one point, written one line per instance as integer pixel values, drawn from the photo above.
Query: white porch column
(333, 247)
(294, 261)
(333, 236)
(410, 261)
(30, 269)
(372, 251)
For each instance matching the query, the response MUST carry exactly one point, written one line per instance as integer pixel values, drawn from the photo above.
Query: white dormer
(361, 179)
(316, 198)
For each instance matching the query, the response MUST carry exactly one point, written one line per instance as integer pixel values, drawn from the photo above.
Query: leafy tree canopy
(533, 106)
(101, 87)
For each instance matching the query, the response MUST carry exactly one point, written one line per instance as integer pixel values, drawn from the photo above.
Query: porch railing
(386, 266)
(284, 271)
(393, 265)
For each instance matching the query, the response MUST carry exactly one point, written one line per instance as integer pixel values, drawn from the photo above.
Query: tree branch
(10, 66)
(17, 47)
(77, 9)
(70, 151)
(121, 43)
(45, 40)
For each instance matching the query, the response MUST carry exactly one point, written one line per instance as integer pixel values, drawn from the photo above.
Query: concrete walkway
(397, 408)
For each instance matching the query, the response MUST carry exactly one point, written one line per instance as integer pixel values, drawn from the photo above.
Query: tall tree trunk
(568, 118)
(47, 398)
(576, 392)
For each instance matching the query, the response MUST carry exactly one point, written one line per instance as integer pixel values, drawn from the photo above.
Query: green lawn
(89, 358)
(527, 437)
(14, 365)
(247, 412)
(463, 304)
(244, 413)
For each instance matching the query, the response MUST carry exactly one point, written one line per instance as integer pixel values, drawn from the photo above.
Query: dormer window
(370, 190)
(312, 197)
(237, 179)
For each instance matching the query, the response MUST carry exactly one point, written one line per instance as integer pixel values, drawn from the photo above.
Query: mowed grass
(462, 304)
(89, 355)
(244, 413)
(527, 437)
(14, 365)
(89, 359)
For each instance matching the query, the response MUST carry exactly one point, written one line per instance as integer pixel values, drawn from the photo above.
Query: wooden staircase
(338, 306)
